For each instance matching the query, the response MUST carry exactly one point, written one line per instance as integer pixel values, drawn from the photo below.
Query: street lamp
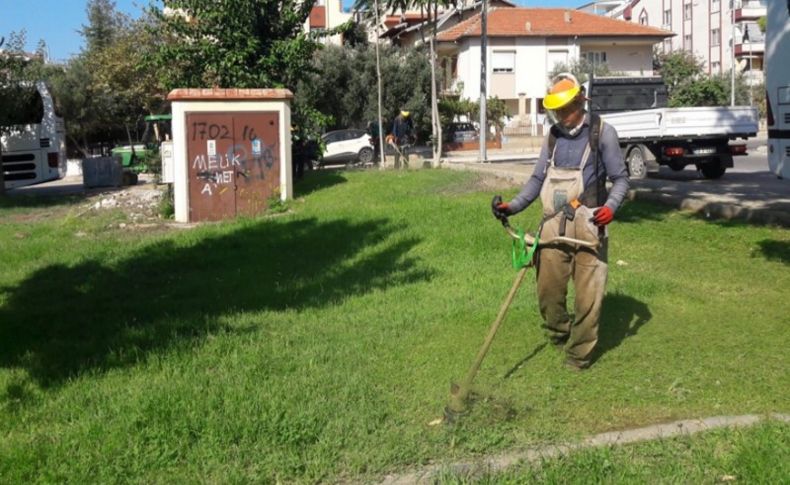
(482, 137)
(732, 52)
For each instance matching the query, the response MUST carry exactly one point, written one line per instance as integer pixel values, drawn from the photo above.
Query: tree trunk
(2, 173)
(436, 131)
(437, 124)
(378, 82)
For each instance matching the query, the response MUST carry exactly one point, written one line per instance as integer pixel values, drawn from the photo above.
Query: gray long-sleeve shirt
(569, 151)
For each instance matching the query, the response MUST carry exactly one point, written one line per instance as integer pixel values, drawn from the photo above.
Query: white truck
(652, 134)
(777, 87)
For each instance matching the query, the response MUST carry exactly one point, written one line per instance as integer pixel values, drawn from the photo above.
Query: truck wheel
(636, 163)
(712, 170)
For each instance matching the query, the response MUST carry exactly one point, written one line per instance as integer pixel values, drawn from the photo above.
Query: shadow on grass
(775, 250)
(36, 201)
(622, 317)
(523, 361)
(65, 320)
(315, 180)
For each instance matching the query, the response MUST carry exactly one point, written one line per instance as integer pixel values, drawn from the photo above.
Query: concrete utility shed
(231, 150)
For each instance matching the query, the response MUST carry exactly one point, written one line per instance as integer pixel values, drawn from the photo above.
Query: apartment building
(721, 33)
(325, 15)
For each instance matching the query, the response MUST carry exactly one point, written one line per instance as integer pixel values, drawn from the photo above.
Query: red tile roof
(222, 94)
(548, 22)
(409, 17)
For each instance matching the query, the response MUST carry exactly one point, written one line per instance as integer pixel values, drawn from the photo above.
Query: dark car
(459, 132)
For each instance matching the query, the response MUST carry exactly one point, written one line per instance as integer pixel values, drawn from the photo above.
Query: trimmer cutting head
(456, 406)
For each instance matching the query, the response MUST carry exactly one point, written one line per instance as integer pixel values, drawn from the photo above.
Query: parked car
(459, 132)
(347, 146)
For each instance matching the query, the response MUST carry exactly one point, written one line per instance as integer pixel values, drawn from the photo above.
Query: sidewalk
(757, 197)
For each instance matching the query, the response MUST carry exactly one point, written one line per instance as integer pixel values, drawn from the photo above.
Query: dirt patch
(139, 203)
(479, 183)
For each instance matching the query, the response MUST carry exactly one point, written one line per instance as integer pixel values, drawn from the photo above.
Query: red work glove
(603, 216)
(500, 209)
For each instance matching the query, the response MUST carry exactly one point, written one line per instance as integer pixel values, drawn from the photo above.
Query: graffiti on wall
(249, 160)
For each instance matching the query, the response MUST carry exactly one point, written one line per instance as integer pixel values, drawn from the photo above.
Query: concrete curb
(713, 209)
(501, 462)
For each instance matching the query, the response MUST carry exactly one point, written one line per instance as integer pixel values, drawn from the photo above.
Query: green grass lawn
(319, 344)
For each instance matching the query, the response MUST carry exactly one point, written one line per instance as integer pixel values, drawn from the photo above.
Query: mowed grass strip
(318, 345)
(751, 455)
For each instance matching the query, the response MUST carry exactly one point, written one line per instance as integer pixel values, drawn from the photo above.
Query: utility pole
(483, 47)
(751, 76)
(732, 52)
(378, 82)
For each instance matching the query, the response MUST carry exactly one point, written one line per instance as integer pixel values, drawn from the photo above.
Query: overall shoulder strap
(552, 145)
(596, 126)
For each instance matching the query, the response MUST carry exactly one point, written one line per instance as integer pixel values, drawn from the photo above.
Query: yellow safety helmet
(564, 89)
(404, 113)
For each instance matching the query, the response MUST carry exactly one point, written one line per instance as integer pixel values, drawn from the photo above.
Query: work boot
(575, 365)
(558, 343)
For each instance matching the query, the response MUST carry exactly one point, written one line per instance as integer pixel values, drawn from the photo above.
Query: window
(687, 11)
(715, 67)
(643, 18)
(715, 37)
(667, 17)
(687, 42)
(504, 61)
(715, 6)
(556, 57)
(594, 57)
(26, 106)
(667, 46)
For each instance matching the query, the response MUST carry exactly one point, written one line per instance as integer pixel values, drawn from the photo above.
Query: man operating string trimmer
(578, 154)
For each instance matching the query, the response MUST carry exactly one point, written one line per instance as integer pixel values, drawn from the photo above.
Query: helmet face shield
(564, 98)
(556, 116)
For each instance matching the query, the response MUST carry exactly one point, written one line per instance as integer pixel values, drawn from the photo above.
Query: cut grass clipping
(316, 345)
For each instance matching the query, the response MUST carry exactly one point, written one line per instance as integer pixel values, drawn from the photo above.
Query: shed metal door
(234, 163)
(258, 148)
(212, 166)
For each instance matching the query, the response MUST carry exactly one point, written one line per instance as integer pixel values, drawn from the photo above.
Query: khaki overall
(557, 263)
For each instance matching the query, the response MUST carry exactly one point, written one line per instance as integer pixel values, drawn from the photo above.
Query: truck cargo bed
(698, 122)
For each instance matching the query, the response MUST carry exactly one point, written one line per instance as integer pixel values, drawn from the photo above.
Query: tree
(701, 92)
(235, 43)
(109, 86)
(105, 22)
(761, 22)
(677, 68)
(350, 74)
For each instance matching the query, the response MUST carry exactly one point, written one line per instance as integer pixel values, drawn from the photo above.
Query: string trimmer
(523, 254)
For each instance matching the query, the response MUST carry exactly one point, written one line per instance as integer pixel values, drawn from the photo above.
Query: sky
(58, 22)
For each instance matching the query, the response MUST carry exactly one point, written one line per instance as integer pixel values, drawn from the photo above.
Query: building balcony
(749, 10)
(750, 49)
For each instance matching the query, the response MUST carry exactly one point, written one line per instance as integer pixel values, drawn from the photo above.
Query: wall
(631, 60)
